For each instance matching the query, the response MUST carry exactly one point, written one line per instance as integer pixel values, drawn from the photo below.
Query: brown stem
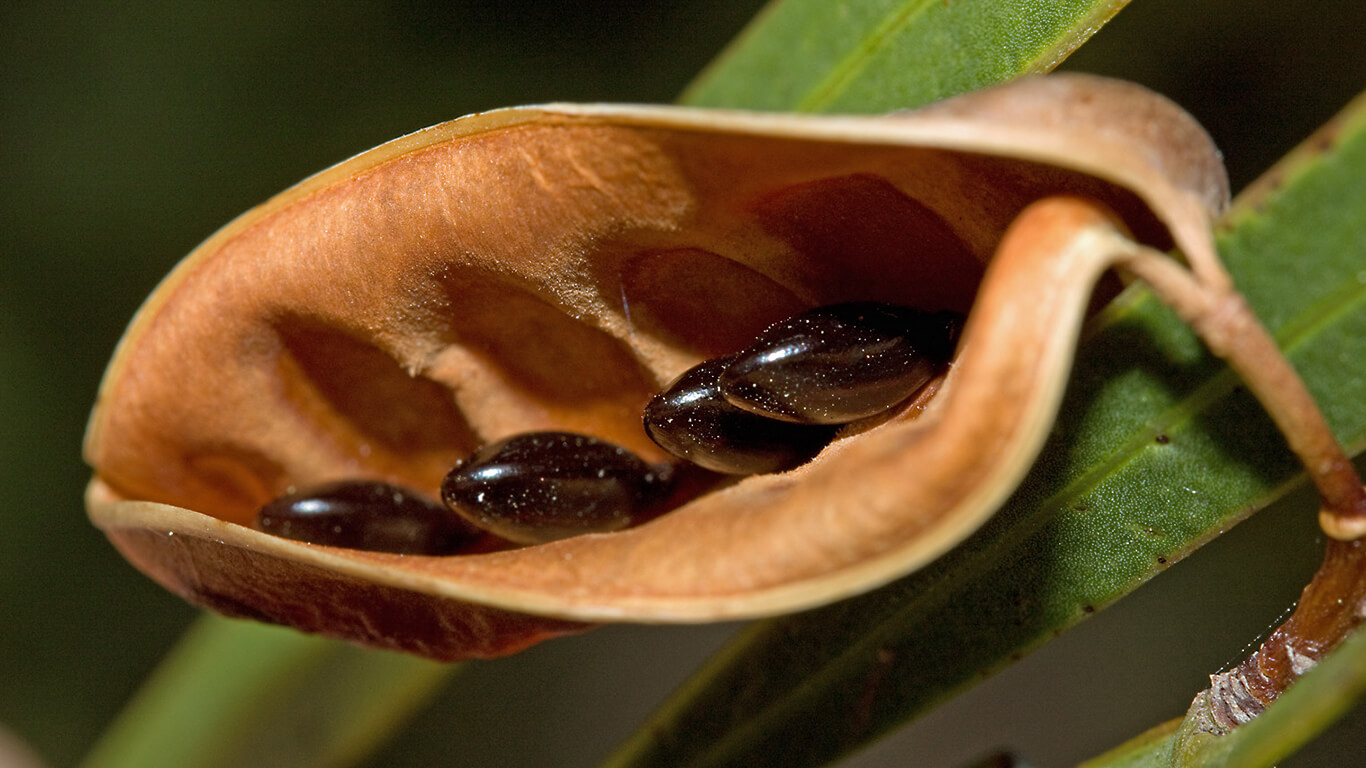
(1331, 606)
(1234, 333)
(1223, 319)
(1334, 602)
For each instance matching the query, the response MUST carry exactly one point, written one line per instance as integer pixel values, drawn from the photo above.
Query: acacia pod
(550, 268)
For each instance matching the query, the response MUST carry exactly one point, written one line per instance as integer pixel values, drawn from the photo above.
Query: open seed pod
(550, 268)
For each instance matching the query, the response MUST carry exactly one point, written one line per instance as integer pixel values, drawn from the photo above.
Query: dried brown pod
(549, 268)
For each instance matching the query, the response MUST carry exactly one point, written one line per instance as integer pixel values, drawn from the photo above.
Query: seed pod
(542, 486)
(367, 515)
(837, 364)
(549, 268)
(691, 420)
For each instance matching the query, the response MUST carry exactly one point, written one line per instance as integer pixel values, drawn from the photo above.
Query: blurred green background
(132, 130)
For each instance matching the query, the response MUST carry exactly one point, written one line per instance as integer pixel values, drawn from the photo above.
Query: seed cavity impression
(841, 363)
(542, 486)
(367, 515)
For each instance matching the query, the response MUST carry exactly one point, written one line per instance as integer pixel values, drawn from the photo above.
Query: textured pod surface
(549, 269)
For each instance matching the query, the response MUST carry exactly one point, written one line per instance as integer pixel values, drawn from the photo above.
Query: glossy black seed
(367, 515)
(841, 363)
(692, 421)
(542, 486)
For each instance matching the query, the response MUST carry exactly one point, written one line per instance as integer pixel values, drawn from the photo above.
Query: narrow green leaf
(221, 698)
(1150, 749)
(881, 55)
(1156, 451)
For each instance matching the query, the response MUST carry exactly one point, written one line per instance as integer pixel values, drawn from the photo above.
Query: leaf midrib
(829, 87)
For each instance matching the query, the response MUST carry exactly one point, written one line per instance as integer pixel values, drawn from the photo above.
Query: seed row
(769, 408)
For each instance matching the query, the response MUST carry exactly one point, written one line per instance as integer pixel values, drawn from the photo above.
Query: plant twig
(1334, 602)
(1224, 321)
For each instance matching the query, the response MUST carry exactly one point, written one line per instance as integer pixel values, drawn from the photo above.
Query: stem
(1334, 602)
(1331, 606)
(1224, 321)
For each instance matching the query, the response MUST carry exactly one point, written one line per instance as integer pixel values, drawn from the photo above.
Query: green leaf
(1157, 450)
(881, 55)
(238, 693)
(1147, 750)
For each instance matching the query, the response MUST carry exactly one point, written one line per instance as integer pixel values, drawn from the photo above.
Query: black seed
(541, 486)
(841, 363)
(367, 515)
(692, 421)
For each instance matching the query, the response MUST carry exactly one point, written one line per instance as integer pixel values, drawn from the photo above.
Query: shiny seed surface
(367, 515)
(542, 486)
(691, 420)
(841, 363)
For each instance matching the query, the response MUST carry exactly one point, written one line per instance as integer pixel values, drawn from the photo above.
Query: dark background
(130, 131)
